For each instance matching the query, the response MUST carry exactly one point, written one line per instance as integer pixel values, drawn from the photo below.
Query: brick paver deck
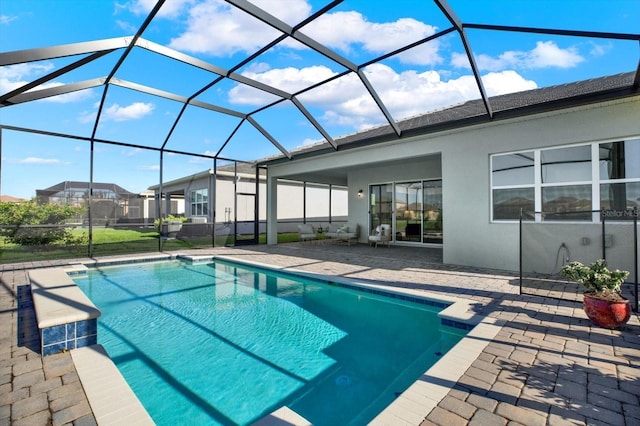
(547, 366)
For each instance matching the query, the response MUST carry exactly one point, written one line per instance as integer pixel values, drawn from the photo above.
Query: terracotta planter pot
(606, 313)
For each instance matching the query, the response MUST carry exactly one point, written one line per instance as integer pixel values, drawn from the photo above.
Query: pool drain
(343, 381)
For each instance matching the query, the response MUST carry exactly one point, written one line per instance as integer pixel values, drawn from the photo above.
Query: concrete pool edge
(111, 399)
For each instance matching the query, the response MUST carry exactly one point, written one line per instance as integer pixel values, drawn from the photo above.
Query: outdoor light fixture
(360, 193)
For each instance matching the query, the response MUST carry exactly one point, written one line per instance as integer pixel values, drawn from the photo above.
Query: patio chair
(381, 235)
(306, 232)
(343, 232)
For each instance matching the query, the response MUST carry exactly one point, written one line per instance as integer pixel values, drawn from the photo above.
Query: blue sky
(432, 76)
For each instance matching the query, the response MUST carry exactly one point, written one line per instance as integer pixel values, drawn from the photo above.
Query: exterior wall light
(360, 193)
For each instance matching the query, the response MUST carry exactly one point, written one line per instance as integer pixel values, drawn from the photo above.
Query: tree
(24, 223)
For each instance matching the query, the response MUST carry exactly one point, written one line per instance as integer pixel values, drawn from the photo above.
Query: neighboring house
(111, 204)
(10, 199)
(233, 191)
(459, 179)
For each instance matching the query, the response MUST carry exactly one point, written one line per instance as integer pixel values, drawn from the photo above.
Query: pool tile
(55, 334)
(86, 328)
(81, 342)
(71, 331)
(54, 349)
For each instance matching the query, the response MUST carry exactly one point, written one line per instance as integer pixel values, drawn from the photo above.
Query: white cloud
(126, 26)
(152, 167)
(501, 83)
(600, 49)
(38, 160)
(215, 28)
(132, 152)
(169, 9)
(309, 141)
(546, 54)
(15, 76)
(202, 160)
(293, 12)
(408, 93)
(5, 19)
(134, 111)
(460, 60)
(288, 79)
(87, 117)
(348, 30)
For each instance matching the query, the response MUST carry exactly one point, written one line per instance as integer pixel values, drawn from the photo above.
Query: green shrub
(595, 277)
(30, 223)
(156, 222)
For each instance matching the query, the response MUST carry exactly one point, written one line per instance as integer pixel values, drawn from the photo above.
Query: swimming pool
(223, 343)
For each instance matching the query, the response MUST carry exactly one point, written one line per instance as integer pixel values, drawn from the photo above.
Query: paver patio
(547, 365)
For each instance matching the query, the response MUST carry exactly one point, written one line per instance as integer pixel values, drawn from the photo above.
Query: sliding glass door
(409, 211)
(432, 212)
(413, 208)
(380, 205)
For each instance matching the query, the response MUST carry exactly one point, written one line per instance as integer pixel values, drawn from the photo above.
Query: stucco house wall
(462, 159)
(289, 209)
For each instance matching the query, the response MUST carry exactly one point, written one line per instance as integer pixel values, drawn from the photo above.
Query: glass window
(619, 196)
(509, 170)
(199, 202)
(567, 199)
(568, 189)
(566, 164)
(620, 160)
(507, 203)
(513, 169)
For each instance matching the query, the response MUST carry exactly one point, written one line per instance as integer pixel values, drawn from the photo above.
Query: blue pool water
(222, 343)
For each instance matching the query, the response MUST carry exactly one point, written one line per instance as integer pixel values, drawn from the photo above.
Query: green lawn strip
(109, 241)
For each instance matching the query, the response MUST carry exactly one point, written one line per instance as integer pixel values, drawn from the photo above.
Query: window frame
(595, 182)
(199, 202)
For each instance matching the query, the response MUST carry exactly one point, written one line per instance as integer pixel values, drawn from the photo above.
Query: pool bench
(66, 317)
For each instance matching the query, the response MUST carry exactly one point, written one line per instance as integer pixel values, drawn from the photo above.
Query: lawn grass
(110, 241)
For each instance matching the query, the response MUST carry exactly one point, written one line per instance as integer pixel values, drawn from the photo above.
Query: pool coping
(413, 405)
(112, 400)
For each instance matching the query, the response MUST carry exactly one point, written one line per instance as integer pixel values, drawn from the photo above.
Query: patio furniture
(306, 232)
(381, 235)
(412, 232)
(343, 232)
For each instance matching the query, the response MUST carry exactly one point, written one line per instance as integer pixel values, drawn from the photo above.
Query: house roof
(226, 170)
(10, 199)
(473, 112)
(83, 186)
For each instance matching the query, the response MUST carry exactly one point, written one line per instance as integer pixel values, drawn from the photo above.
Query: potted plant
(171, 225)
(603, 303)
